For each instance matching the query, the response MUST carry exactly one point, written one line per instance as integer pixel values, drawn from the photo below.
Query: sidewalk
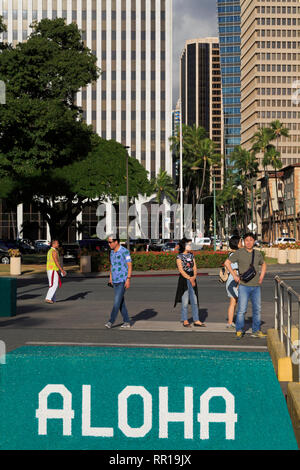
(73, 271)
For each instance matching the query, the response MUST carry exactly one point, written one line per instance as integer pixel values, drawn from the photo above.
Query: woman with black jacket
(187, 291)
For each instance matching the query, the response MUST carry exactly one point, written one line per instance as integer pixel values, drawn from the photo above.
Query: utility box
(8, 296)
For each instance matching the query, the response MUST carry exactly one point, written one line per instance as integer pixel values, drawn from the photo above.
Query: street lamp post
(196, 168)
(181, 173)
(127, 199)
(215, 212)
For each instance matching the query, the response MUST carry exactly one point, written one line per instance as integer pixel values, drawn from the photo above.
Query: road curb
(293, 404)
(282, 364)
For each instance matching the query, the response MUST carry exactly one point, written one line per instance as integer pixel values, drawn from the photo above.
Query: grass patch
(271, 260)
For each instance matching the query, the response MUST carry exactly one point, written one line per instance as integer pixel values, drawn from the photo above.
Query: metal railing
(287, 315)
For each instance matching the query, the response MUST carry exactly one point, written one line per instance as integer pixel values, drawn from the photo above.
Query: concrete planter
(292, 256)
(282, 256)
(15, 266)
(298, 255)
(275, 252)
(85, 264)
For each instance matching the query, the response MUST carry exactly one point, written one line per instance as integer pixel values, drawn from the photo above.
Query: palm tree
(206, 157)
(164, 187)
(261, 144)
(191, 138)
(278, 131)
(246, 166)
(272, 158)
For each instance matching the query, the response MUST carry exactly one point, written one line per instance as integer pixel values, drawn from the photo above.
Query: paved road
(84, 306)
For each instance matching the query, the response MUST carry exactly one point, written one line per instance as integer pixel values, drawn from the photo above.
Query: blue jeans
(189, 294)
(254, 294)
(119, 303)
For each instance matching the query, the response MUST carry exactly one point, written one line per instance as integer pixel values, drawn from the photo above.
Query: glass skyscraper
(229, 21)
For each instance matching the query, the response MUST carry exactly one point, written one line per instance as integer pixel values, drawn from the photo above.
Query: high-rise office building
(270, 70)
(132, 100)
(132, 39)
(200, 89)
(229, 21)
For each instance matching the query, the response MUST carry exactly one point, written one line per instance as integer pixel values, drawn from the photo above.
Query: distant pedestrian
(235, 243)
(119, 278)
(250, 280)
(53, 268)
(187, 291)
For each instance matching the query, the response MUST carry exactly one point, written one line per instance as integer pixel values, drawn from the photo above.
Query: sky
(191, 19)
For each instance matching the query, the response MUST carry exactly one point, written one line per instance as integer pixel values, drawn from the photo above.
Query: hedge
(154, 261)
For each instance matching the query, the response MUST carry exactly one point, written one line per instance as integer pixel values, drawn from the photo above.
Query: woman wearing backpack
(235, 243)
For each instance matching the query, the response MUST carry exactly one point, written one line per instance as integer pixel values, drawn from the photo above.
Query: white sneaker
(125, 325)
(108, 324)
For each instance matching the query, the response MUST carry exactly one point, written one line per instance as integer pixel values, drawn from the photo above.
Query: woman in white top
(235, 243)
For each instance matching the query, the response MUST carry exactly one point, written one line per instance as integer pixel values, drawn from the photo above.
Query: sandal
(49, 301)
(200, 324)
(186, 324)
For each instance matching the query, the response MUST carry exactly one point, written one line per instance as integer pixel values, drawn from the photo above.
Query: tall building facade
(229, 22)
(132, 39)
(270, 71)
(132, 100)
(200, 91)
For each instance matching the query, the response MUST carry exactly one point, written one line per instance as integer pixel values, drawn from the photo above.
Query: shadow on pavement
(144, 315)
(21, 322)
(80, 295)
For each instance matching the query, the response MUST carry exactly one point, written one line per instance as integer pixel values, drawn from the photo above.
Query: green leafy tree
(48, 155)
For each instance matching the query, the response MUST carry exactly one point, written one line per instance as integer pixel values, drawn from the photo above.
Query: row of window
(230, 39)
(229, 9)
(278, 44)
(278, 68)
(124, 115)
(75, 16)
(229, 19)
(279, 56)
(231, 80)
(230, 49)
(232, 100)
(132, 55)
(229, 29)
(153, 75)
(279, 104)
(232, 121)
(231, 90)
(227, 70)
(279, 114)
(278, 21)
(231, 60)
(278, 33)
(279, 10)
(275, 91)
(133, 35)
(133, 95)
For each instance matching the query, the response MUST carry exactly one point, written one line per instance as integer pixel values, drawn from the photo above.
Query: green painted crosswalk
(141, 398)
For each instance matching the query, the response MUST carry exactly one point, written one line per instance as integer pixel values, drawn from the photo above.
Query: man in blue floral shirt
(120, 274)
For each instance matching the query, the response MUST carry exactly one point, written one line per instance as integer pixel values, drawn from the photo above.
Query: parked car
(71, 251)
(141, 243)
(284, 240)
(94, 244)
(25, 247)
(169, 246)
(41, 246)
(4, 256)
